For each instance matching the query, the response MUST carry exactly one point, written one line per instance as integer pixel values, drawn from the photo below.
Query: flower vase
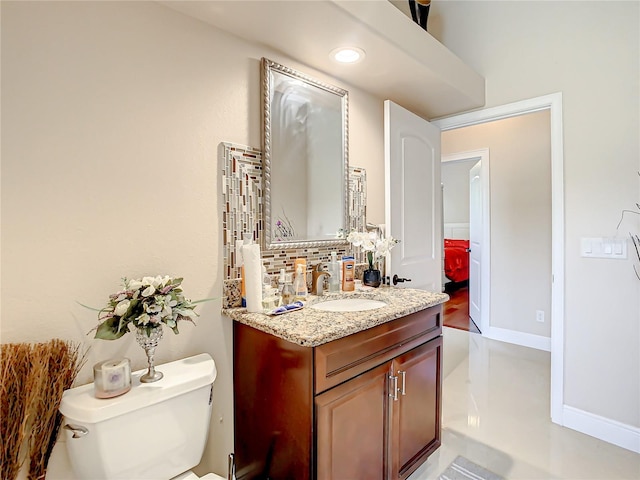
(148, 338)
(371, 277)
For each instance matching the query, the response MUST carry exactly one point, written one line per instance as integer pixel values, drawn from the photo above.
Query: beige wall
(112, 114)
(520, 195)
(455, 193)
(589, 51)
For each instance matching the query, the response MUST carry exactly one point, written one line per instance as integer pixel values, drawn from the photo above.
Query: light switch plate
(603, 247)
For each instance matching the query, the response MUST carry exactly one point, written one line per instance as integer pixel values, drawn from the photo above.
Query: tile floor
(496, 413)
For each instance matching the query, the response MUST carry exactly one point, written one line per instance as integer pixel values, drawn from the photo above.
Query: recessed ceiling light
(347, 54)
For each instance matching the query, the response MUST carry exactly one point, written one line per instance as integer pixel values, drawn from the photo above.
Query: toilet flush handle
(78, 430)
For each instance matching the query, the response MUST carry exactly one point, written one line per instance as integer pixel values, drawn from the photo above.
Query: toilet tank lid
(80, 404)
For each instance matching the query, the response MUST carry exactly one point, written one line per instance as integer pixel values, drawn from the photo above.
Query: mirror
(305, 147)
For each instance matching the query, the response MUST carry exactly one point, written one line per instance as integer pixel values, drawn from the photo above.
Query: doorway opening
(466, 227)
(554, 343)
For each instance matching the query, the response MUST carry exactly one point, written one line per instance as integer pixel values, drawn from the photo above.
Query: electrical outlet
(540, 316)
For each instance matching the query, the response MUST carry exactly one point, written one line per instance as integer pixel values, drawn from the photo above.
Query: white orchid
(384, 246)
(375, 247)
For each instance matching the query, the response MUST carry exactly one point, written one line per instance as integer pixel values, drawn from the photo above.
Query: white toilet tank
(155, 431)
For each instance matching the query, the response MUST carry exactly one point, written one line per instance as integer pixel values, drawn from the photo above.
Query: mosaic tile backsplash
(242, 211)
(357, 199)
(241, 200)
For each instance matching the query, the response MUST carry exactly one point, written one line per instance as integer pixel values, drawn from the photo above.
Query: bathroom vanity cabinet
(364, 406)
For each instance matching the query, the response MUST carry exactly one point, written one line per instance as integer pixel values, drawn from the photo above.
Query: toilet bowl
(156, 431)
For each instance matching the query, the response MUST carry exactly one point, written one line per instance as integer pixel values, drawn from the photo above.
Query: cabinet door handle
(403, 390)
(394, 387)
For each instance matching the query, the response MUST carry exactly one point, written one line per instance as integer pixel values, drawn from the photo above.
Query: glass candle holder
(112, 378)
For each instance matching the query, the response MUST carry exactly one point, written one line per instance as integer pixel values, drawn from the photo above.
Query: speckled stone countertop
(310, 327)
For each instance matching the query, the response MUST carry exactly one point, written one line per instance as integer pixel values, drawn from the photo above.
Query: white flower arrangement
(146, 303)
(375, 246)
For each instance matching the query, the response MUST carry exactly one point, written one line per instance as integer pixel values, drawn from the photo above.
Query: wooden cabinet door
(352, 428)
(415, 431)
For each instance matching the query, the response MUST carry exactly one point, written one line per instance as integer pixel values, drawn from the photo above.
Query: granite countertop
(310, 327)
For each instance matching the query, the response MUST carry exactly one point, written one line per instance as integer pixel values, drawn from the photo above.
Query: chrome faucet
(317, 277)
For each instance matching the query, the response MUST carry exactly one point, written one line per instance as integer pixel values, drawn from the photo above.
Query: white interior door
(413, 198)
(475, 241)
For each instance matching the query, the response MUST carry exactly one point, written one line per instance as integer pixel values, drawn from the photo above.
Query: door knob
(397, 280)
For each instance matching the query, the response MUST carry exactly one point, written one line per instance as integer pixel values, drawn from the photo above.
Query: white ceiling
(403, 62)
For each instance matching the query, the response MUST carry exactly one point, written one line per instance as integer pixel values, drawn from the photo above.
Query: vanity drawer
(340, 360)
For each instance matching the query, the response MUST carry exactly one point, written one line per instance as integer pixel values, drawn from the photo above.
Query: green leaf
(108, 330)
(132, 306)
(90, 308)
(122, 325)
(205, 300)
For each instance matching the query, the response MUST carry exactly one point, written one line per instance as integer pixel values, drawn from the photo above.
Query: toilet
(156, 431)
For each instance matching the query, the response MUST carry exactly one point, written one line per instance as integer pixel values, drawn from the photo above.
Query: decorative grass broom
(15, 366)
(33, 380)
(58, 363)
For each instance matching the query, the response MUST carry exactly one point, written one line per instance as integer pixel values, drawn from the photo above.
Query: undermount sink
(349, 305)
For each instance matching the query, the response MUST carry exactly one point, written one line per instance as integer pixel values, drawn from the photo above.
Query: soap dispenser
(287, 296)
(334, 270)
(300, 284)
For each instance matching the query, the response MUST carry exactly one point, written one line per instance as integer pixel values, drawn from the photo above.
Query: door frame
(481, 155)
(553, 103)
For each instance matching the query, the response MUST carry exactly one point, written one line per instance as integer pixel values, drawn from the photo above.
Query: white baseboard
(611, 431)
(519, 338)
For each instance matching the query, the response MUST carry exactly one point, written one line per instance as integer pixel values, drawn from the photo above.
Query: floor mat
(463, 469)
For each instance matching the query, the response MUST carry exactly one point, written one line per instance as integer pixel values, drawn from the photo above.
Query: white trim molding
(553, 103)
(518, 338)
(612, 431)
